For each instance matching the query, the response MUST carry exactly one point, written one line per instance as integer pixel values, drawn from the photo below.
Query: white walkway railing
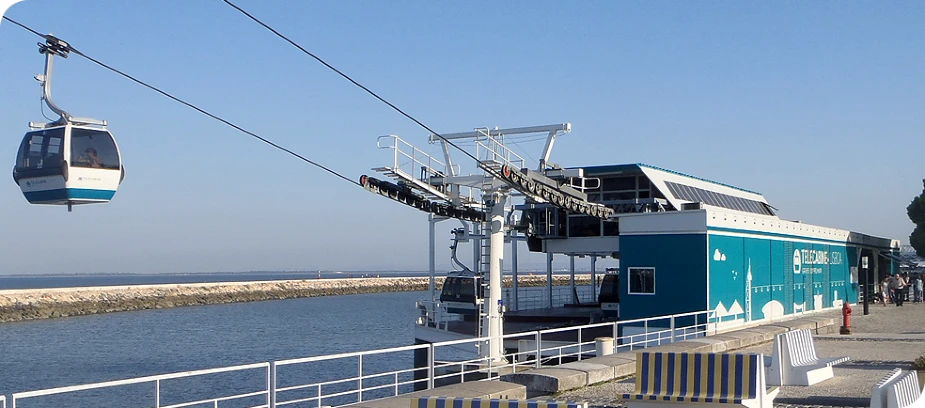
(156, 382)
(321, 381)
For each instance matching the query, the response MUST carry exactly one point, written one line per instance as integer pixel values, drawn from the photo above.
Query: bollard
(603, 346)
(846, 319)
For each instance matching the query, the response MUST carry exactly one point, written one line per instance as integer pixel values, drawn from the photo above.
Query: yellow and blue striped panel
(696, 377)
(459, 402)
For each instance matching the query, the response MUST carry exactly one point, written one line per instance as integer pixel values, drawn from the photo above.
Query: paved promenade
(887, 338)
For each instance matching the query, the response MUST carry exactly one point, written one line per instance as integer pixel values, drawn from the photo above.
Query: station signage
(809, 261)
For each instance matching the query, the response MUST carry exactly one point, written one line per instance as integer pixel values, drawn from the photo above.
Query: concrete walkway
(890, 337)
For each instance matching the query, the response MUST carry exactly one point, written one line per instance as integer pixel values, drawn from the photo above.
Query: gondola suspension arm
(55, 46)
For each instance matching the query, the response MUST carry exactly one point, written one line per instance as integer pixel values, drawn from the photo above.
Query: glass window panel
(740, 204)
(701, 195)
(584, 226)
(672, 188)
(714, 199)
(619, 183)
(688, 193)
(93, 148)
(619, 196)
(721, 200)
(611, 228)
(642, 280)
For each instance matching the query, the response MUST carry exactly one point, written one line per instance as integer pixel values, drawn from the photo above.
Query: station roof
(638, 168)
(680, 188)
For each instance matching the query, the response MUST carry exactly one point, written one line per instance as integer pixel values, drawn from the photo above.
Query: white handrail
(403, 150)
(646, 332)
(153, 378)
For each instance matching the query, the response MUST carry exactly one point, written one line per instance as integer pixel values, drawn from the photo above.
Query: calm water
(78, 350)
(88, 349)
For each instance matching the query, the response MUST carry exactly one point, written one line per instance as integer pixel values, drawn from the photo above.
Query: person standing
(918, 289)
(897, 285)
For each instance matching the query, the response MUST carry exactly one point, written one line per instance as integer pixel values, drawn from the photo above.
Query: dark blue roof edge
(674, 172)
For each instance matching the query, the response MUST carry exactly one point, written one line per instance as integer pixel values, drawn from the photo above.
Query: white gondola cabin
(462, 293)
(68, 164)
(71, 160)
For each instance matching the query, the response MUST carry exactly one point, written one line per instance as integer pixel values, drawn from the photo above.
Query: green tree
(916, 211)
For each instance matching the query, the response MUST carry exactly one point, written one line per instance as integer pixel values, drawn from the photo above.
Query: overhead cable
(188, 104)
(361, 86)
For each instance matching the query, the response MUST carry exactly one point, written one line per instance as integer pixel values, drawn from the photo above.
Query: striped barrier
(458, 402)
(697, 378)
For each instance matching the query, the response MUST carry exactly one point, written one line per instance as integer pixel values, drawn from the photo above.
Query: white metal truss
(438, 187)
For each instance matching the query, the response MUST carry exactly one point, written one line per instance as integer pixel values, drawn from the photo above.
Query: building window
(611, 228)
(641, 281)
(584, 226)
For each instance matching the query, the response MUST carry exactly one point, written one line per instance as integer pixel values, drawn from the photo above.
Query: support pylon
(493, 320)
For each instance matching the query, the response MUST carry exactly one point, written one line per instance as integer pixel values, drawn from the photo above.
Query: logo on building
(797, 261)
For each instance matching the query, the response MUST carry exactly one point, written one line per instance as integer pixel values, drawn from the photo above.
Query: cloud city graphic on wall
(719, 256)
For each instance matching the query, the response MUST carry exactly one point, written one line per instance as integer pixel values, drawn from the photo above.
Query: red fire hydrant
(846, 318)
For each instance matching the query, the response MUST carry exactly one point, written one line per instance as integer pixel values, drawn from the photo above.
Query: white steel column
(493, 320)
(476, 248)
(571, 282)
(514, 241)
(549, 279)
(594, 277)
(432, 261)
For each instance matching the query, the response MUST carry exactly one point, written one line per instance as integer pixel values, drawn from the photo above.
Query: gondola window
(92, 148)
(642, 281)
(40, 151)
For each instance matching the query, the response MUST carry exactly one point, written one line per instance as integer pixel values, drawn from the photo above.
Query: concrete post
(603, 346)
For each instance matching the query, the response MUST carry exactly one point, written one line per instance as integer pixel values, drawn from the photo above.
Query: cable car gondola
(609, 297)
(71, 160)
(463, 291)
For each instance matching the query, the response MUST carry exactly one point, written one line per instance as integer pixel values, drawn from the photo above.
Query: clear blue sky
(818, 105)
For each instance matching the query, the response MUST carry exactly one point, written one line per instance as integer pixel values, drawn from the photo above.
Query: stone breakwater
(31, 304)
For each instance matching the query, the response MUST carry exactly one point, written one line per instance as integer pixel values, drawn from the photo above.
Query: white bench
(794, 362)
(904, 392)
(878, 391)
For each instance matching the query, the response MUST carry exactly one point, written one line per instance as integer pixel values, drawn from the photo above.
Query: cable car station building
(686, 244)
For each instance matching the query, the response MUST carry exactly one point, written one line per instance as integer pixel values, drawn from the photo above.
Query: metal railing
(156, 382)
(410, 159)
(490, 149)
(561, 295)
(368, 381)
(2, 401)
(320, 381)
(434, 313)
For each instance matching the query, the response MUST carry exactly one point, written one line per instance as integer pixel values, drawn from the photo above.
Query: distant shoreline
(34, 304)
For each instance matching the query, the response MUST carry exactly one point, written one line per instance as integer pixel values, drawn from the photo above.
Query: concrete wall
(30, 304)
